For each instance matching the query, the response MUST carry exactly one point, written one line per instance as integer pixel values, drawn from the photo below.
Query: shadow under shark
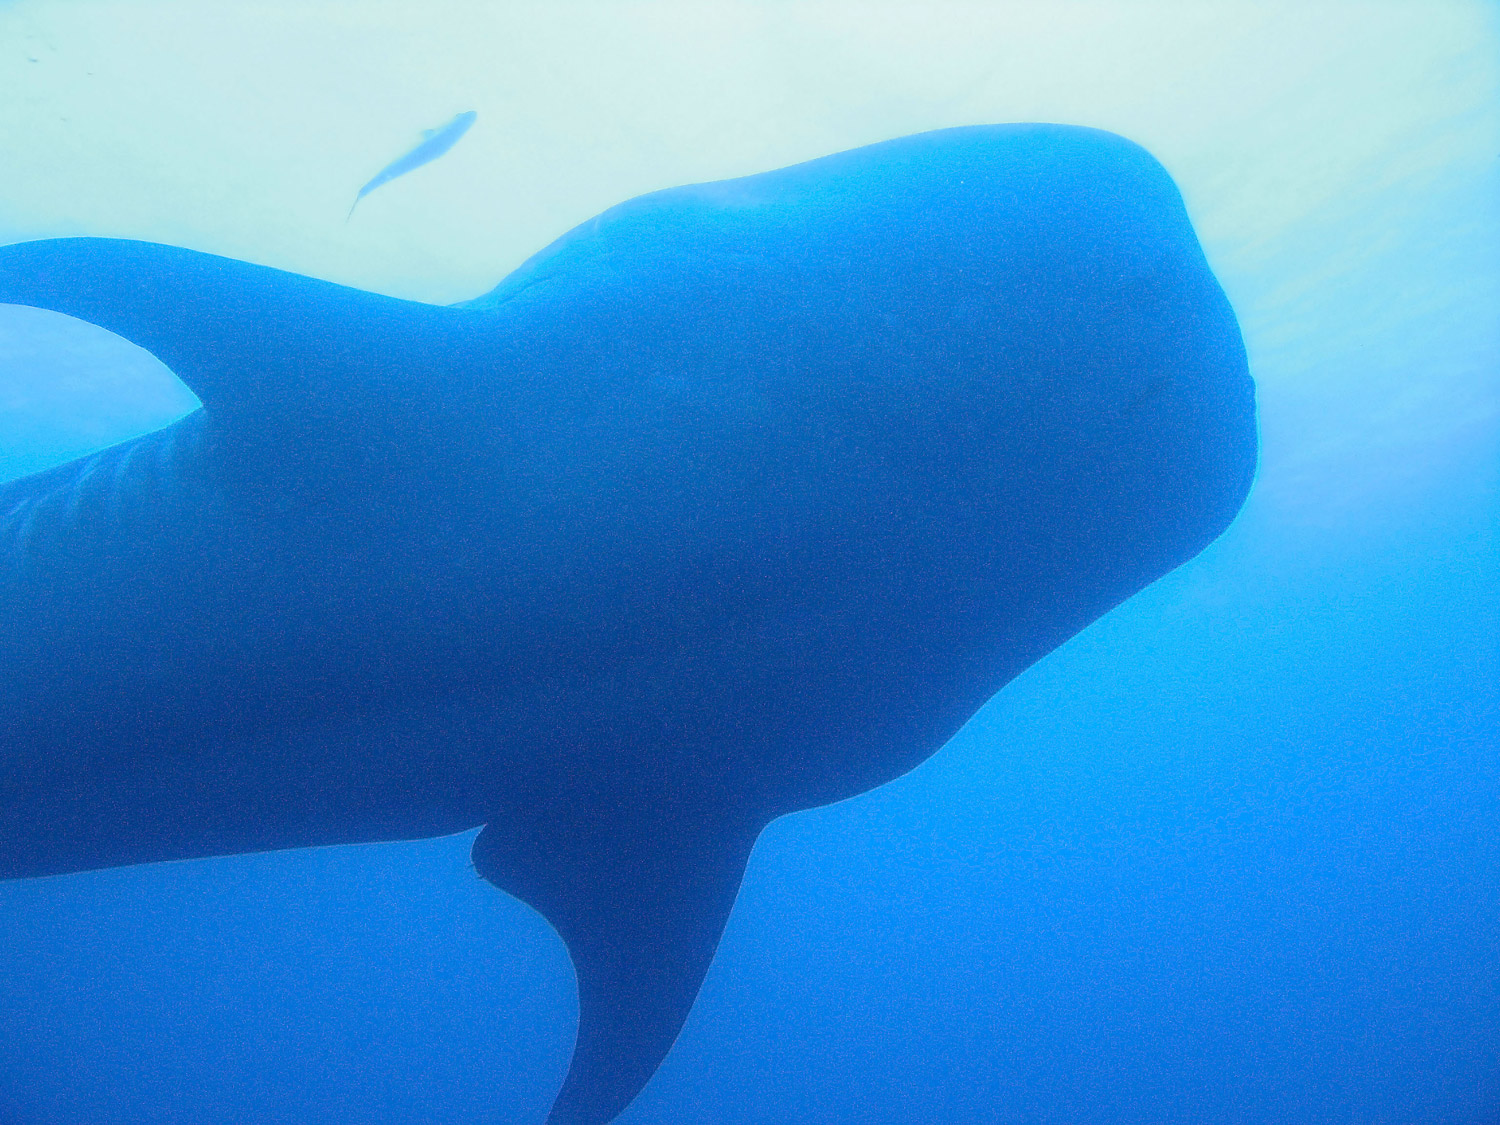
(738, 499)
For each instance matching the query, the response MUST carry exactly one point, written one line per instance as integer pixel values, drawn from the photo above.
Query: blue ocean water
(1228, 855)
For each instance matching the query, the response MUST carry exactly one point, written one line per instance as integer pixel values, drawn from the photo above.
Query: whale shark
(737, 500)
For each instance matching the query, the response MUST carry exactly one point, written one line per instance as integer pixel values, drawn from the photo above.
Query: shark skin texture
(739, 499)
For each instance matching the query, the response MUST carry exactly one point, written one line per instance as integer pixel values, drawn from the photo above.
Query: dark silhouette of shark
(738, 499)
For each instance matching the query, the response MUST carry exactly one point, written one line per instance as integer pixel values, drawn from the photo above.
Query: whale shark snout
(739, 499)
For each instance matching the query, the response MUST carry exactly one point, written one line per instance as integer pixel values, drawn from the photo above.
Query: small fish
(435, 142)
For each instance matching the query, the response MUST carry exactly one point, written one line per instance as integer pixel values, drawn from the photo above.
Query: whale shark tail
(641, 904)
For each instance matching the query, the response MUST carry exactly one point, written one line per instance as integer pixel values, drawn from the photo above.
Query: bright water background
(1231, 855)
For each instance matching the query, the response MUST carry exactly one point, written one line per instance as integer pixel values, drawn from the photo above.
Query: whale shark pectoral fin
(265, 350)
(640, 901)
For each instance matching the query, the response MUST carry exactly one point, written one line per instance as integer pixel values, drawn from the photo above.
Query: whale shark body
(739, 499)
